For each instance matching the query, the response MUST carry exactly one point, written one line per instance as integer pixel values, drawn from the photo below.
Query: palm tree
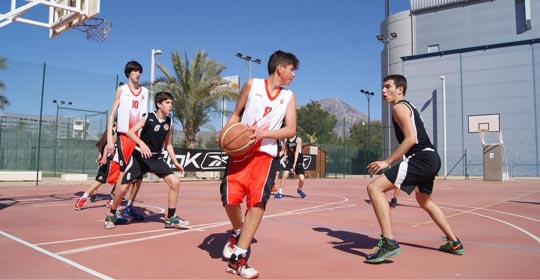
(192, 85)
(3, 99)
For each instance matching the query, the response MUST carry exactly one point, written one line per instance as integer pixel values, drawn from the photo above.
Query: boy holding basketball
(270, 111)
(417, 170)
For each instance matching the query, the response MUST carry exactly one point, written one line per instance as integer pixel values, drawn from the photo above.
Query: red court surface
(324, 236)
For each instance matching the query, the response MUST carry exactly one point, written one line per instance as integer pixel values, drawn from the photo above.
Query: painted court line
(60, 258)
(202, 227)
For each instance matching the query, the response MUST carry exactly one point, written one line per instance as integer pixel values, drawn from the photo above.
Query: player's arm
(169, 148)
(402, 116)
(145, 151)
(241, 102)
(110, 122)
(289, 126)
(297, 150)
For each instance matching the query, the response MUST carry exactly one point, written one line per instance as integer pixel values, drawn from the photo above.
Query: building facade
(485, 57)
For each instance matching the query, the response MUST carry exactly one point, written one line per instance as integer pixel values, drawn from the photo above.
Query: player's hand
(256, 134)
(376, 166)
(103, 160)
(145, 151)
(109, 149)
(179, 167)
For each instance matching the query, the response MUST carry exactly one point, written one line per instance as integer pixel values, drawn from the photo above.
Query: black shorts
(103, 172)
(299, 168)
(418, 170)
(138, 166)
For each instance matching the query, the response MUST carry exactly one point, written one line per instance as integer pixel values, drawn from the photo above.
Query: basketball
(235, 139)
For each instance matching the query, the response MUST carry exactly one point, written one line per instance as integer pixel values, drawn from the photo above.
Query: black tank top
(291, 146)
(422, 138)
(154, 132)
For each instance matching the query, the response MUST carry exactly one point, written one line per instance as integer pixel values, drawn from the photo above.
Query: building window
(433, 48)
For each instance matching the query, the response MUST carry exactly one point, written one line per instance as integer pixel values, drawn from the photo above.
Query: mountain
(342, 111)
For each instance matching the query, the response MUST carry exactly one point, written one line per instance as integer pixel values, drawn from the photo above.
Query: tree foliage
(192, 83)
(316, 125)
(3, 99)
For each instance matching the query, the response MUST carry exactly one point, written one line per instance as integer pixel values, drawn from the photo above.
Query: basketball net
(96, 29)
(482, 134)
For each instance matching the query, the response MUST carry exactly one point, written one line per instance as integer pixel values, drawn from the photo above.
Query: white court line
(56, 256)
(201, 227)
(484, 208)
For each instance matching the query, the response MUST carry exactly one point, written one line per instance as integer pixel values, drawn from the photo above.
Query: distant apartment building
(68, 128)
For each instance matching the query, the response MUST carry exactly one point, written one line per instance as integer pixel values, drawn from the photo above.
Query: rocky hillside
(342, 111)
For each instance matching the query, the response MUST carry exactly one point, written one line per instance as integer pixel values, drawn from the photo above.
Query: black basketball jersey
(422, 138)
(154, 132)
(291, 145)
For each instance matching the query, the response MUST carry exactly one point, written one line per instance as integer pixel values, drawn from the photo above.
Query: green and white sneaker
(386, 248)
(110, 221)
(452, 247)
(176, 222)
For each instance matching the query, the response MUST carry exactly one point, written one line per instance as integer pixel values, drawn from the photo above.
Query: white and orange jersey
(265, 112)
(133, 104)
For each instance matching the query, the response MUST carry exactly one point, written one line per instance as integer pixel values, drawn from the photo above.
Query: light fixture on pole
(152, 66)
(58, 103)
(386, 41)
(443, 79)
(248, 60)
(369, 95)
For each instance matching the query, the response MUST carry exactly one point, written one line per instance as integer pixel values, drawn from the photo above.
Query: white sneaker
(238, 265)
(229, 246)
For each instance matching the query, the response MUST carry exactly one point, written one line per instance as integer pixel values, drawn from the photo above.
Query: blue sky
(334, 40)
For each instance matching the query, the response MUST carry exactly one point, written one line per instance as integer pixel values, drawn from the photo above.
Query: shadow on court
(350, 242)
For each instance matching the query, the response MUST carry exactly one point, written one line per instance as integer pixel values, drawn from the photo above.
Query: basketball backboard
(63, 14)
(484, 123)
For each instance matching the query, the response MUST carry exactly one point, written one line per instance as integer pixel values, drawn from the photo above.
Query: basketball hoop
(96, 29)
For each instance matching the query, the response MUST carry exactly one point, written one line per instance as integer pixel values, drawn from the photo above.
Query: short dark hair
(283, 58)
(399, 81)
(162, 96)
(132, 66)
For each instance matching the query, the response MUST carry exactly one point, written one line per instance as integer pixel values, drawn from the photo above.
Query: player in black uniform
(295, 165)
(148, 156)
(420, 165)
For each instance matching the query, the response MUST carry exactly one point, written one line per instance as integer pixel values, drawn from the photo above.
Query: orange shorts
(251, 176)
(121, 159)
(126, 146)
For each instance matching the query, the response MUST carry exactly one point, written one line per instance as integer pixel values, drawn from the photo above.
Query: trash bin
(492, 162)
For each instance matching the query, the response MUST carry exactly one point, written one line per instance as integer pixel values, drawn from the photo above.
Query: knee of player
(174, 185)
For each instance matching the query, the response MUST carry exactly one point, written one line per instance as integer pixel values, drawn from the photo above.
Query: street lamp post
(58, 103)
(369, 95)
(386, 41)
(248, 60)
(152, 66)
(443, 79)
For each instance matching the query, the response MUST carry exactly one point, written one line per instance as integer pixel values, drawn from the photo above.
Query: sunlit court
(324, 236)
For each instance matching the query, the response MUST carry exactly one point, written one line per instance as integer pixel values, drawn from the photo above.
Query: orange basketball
(235, 139)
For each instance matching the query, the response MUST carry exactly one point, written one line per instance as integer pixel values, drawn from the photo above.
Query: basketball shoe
(238, 265)
(110, 221)
(301, 193)
(79, 203)
(130, 213)
(176, 222)
(452, 247)
(278, 196)
(229, 246)
(386, 248)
